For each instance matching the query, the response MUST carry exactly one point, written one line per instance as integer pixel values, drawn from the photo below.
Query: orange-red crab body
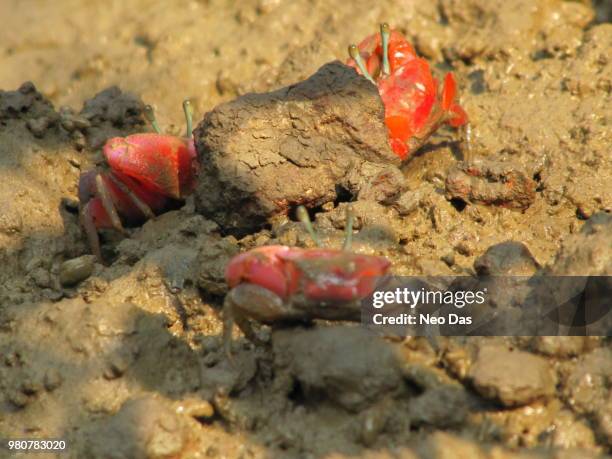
(414, 108)
(147, 174)
(273, 284)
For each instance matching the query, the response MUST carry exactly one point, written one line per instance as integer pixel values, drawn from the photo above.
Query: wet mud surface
(125, 360)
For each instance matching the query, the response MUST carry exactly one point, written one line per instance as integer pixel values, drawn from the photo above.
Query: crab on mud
(414, 108)
(147, 174)
(280, 284)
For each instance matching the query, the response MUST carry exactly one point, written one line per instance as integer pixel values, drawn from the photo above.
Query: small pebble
(76, 270)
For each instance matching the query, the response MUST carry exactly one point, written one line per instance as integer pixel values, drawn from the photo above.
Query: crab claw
(456, 115)
(163, 164)
(263, 267)
(449, 91)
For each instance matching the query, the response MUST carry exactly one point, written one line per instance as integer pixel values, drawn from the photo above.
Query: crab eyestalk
(348, 236)
(188, 110)
(385, 32)
(149, 114)
(354, 53)
(302, 215)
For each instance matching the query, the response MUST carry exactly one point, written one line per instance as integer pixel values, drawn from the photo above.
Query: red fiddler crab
(147, 174)
(414, 108)
(280, 284)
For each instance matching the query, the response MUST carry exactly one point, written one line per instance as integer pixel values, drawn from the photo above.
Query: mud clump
(490, 183)
(582, 254)
(145, 428)
(444, 406)
(586, 388)
(110, 113)
(264, 154)
(211, 264)
(38, 174)
(350, 366)
(494, 376)
(510, 258)
(28, 104)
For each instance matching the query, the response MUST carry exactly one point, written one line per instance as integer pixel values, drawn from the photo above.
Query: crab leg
(231, 315)
(261, 304)
(354, 53)
(384, 34)
(103, 193)
(87, 220)
(139, 203)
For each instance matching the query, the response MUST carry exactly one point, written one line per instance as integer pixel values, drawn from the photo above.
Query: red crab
(147, 174)
(277, 283)
(414, 108)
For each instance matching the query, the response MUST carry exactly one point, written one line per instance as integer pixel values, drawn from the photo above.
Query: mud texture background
(124, 361)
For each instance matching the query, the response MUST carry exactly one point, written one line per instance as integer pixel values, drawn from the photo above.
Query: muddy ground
(124, 360)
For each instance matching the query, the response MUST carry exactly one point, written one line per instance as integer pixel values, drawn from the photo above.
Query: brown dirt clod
(263, 154)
